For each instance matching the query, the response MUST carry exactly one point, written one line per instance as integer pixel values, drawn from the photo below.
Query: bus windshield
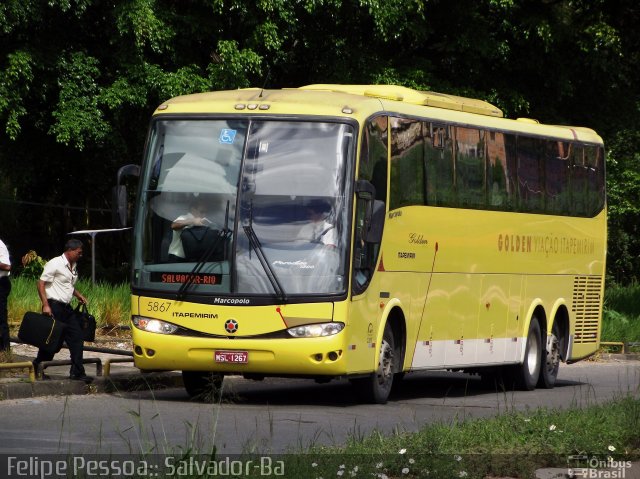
(244, 207)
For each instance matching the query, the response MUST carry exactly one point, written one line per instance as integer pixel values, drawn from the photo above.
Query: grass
(623, 299)
(621, 315)
(110, 304)
(513, 444)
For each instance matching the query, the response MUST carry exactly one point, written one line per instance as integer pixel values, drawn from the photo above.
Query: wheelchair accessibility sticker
(227, 136)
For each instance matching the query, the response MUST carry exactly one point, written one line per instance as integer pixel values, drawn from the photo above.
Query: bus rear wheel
(203, 385)
(550, 360)
(526, 375)
(376, 387)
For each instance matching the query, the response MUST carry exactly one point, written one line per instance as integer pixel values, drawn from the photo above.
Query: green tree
(80, 78)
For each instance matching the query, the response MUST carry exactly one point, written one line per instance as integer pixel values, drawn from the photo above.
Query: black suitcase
(87, 322)
(42, 331)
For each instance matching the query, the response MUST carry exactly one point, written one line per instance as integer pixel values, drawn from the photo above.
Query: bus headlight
(316, 330)
(153, 325)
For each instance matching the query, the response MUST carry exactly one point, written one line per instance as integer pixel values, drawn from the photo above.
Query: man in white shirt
(195, 217)
(5, 289)
(56, 288)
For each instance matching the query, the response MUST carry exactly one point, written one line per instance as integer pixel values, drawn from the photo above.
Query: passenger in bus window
(318, 229)
(195, 217)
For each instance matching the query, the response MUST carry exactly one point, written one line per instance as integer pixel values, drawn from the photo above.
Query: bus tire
(550, 359)
(375, 388)
(526, 375)
(203, 385)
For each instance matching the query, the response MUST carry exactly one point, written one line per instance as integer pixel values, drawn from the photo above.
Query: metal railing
(101, 370)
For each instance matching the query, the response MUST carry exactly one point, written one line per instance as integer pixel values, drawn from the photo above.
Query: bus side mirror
(365, 190)
(375, 211)
(376, 223)
(119, 202)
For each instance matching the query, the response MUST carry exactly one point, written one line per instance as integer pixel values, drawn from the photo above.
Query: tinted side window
(497, 168)
(470, 167)
(407, 163)
(579, 181)
(439, 164)
(558, 193)
(595, 163)
(373, 168)
(530, 175)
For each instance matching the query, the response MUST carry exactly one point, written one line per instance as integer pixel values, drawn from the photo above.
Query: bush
(32, 265)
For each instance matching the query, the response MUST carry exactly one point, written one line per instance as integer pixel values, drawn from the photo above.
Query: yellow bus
(363, 232)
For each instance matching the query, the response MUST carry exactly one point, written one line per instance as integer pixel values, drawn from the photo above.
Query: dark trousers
(5, 289)
(63, 312)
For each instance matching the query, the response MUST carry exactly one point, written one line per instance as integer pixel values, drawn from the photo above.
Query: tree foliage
(79, 78)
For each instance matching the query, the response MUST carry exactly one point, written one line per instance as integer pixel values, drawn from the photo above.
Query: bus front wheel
(376, 387)
(526, 374)
(203, 385)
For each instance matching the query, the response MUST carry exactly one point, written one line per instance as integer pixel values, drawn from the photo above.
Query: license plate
(236, 357)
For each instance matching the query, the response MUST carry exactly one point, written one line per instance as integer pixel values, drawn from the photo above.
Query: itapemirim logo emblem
(231, 326)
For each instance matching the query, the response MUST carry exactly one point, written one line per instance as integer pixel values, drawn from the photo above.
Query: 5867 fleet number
(157, 306)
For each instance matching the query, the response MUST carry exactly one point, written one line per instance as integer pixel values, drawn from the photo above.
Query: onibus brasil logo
(596, 467)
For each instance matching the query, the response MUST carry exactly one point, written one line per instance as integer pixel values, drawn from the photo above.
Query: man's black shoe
(81, 377)
(42, 376)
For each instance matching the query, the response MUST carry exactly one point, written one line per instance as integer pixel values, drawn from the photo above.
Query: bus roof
(363, 101)
(424, 98)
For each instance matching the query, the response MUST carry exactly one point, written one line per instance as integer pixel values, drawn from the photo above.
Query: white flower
(552, 427)
(412, 461)
(340, 472)
(457, 458)
(314, 464)
(612, 448)
(355, 468)
(527, 420)
(463, 474)
(342, 466)
(405, 470)
(402, 451)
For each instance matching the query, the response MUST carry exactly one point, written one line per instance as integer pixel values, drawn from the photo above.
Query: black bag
(42, 331)
(196, 240)
(87, 322)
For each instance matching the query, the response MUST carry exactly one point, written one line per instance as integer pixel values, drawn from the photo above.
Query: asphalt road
(281, 415)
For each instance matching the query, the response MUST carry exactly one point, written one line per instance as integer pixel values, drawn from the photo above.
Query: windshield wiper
(223, 234)
(255, 245)
(254, 242)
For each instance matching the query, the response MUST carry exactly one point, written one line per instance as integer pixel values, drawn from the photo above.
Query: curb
(620, 356)
(21, 388)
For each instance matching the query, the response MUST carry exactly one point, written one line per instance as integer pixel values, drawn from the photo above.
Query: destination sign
(194, 278)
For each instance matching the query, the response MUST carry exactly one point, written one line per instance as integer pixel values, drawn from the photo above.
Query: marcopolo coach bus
(362, 232)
